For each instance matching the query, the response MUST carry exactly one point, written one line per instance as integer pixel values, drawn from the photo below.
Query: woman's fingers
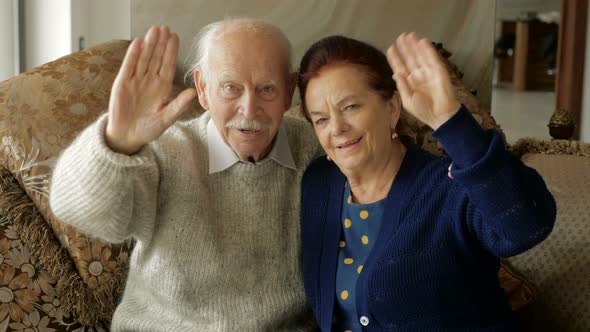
(168, 68)
(156, 60)
(425, 53)
(130, 61)
(396, 62)
(147, 49)
(402, 86)
(406, 46)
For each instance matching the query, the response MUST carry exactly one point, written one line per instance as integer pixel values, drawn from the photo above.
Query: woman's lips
(350, 144)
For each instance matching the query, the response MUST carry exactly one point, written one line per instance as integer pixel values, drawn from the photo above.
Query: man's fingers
(147, 49)
(156, 60)
(177, 106)
(130, 61)
(168, 68)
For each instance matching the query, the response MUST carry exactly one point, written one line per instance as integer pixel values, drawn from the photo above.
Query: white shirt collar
(222, 156)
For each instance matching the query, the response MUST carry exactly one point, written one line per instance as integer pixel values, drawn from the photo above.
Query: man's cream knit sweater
(217, 252)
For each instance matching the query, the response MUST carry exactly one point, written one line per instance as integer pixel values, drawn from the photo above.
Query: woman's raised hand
(140, 108)
(422, 80)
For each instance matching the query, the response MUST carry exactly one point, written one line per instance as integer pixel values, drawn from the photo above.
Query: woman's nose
(338, 126)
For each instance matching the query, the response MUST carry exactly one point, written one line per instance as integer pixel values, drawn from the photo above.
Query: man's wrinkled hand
(140, 109)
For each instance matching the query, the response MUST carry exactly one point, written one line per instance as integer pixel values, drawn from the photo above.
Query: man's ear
(201, 86)
(291, 85)
(396, 109)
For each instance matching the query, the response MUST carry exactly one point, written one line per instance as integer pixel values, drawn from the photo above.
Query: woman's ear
(396, 108)
(201, 86)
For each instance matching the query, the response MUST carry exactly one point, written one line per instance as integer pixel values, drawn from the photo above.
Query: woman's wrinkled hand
(422, 79)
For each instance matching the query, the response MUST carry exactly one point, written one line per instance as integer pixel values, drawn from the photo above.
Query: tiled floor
(522, 114)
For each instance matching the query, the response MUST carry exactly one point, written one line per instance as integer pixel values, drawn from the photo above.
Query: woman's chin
(349, 164)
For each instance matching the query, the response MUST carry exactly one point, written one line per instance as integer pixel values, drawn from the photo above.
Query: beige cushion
(41, 112)
(560, 266)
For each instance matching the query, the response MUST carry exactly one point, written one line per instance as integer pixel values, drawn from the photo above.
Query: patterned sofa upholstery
(52, 278)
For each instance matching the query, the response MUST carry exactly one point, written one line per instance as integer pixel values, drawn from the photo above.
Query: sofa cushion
(41, 112)
(520, 291)
(39, 286)
(560, 266)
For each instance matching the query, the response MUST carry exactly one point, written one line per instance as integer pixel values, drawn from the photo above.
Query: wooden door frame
(570, 58)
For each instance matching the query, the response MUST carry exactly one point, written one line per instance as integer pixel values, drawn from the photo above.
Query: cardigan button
(364, 320)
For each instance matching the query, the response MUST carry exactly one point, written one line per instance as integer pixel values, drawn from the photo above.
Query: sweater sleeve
(509, 209)
(105, 194)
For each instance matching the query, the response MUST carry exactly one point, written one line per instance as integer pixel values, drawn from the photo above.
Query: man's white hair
(199, 52)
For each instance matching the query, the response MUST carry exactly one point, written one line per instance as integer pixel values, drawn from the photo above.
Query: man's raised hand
(140, 109)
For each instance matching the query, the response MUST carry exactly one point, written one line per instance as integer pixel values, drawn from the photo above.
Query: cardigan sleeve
(105, 194)
(509, 209)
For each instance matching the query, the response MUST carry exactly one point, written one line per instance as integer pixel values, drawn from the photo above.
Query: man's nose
(249, 105)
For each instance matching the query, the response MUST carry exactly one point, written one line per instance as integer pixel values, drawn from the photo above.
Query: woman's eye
(320, 121)
(230, 88)
(267, 89)
(351, 107)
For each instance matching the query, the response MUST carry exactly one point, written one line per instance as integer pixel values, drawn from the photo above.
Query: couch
(53, 278)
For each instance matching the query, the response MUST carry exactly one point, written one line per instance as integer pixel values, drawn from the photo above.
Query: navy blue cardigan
(435, 264)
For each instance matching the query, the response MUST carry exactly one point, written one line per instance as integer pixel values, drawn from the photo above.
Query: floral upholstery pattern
(32, 298)
(41, 112)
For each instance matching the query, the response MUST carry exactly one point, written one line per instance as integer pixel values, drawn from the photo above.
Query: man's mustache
(245, 124)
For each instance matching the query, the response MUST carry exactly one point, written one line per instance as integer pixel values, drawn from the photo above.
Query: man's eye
(351, 107)
(230, 88)
(268, 92)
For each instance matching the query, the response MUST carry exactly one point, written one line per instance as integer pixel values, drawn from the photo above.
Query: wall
(106, 20)
(9, 61)
(96, 22)
(52, 28)
(47, 30)
(466, 27)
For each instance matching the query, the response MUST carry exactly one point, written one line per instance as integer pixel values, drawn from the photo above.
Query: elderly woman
(394, 238)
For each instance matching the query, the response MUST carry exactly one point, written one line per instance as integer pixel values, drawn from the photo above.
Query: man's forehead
(227, 65)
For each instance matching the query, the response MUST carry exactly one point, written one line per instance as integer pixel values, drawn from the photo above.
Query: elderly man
(212, 203)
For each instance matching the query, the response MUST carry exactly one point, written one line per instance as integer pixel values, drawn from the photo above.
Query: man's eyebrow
(267, 83)
(225, 78)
